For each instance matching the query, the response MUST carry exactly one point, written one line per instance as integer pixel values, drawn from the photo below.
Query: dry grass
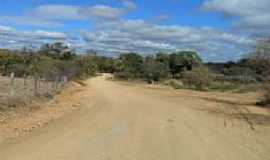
(22, 92)
(265, 100)
(20, 120)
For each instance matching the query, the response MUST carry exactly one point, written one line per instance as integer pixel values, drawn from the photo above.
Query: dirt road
(122, 122)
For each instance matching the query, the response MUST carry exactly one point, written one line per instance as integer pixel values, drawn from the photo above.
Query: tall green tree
(129, 66)
(156, 68)
(57, 50)
(183, 61)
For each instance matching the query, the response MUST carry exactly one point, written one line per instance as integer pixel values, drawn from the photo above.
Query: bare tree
(262, 50)
(262, 57)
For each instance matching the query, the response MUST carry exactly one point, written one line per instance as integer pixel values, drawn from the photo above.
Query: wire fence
(23, 91)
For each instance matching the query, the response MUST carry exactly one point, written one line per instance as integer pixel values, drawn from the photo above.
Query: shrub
(176, 84)
(224, 86)
(86, 66)
(57, 50)
(265, 100)
(199, 78)
(20, 70)
(129, 66)
(183, 61)
(240, 74)
(155, 70)
(52, 69)
(12, 62)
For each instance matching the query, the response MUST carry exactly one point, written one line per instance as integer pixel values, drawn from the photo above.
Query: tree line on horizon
(183, 69)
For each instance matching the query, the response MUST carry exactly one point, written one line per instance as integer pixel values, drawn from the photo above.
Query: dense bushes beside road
(155, 67)
(50, 62)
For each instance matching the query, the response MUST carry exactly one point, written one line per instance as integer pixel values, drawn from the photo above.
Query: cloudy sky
(218, 29)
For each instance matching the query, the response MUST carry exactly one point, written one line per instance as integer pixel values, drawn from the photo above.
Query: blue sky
(176, 12)
(218, 29)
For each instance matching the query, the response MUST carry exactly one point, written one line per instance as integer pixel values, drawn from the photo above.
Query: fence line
(22, 91)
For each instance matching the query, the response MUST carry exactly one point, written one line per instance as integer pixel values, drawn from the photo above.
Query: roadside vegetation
(32, 75)
(183, 69)
(265, 100)
(51, 61)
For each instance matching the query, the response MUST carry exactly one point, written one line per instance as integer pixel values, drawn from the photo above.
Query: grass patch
(223, 87)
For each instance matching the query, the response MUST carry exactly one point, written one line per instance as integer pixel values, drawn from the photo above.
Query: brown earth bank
(16, 121)
(117, 120)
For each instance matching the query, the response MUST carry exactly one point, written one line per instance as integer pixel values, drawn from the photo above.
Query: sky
(219, 30)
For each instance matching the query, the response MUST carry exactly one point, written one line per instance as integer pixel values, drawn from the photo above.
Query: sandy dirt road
(122, 122)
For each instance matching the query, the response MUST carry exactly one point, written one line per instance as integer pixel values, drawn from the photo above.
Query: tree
(104, 64)
(12, 62)
(129, 66)
(259, 60)
(262, 50)
(87, 64)
(156, 68)
(183, 61)
(163, 58)
(57, 50)
(199, 78)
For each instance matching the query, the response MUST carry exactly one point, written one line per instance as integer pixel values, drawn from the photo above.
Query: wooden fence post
(36, 86)
(47, 87)
(11, 90)
(64, 81)
(12, 84)
(25, 88)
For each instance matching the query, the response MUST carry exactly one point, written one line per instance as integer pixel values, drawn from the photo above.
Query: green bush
(12, 62)
(129, 66)
(51, 62)
(183, 61)
(86, 66)
(199, 78)
(57, 50)
(155, 69)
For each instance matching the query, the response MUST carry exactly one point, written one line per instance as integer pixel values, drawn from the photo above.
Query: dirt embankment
(17, 121)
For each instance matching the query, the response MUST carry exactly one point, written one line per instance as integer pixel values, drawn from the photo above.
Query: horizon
(218, 30)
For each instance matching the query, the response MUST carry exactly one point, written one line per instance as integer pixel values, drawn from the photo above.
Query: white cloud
(137, 36)
(55, 15)
(58, 12)
(69, 12)
(49, 35)
(5, 28)
(141, 36)
(11, 38)
(129, 5)
(102, 11)
(238, 7)
(251, 14)
(153, 45)
(31, 21)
